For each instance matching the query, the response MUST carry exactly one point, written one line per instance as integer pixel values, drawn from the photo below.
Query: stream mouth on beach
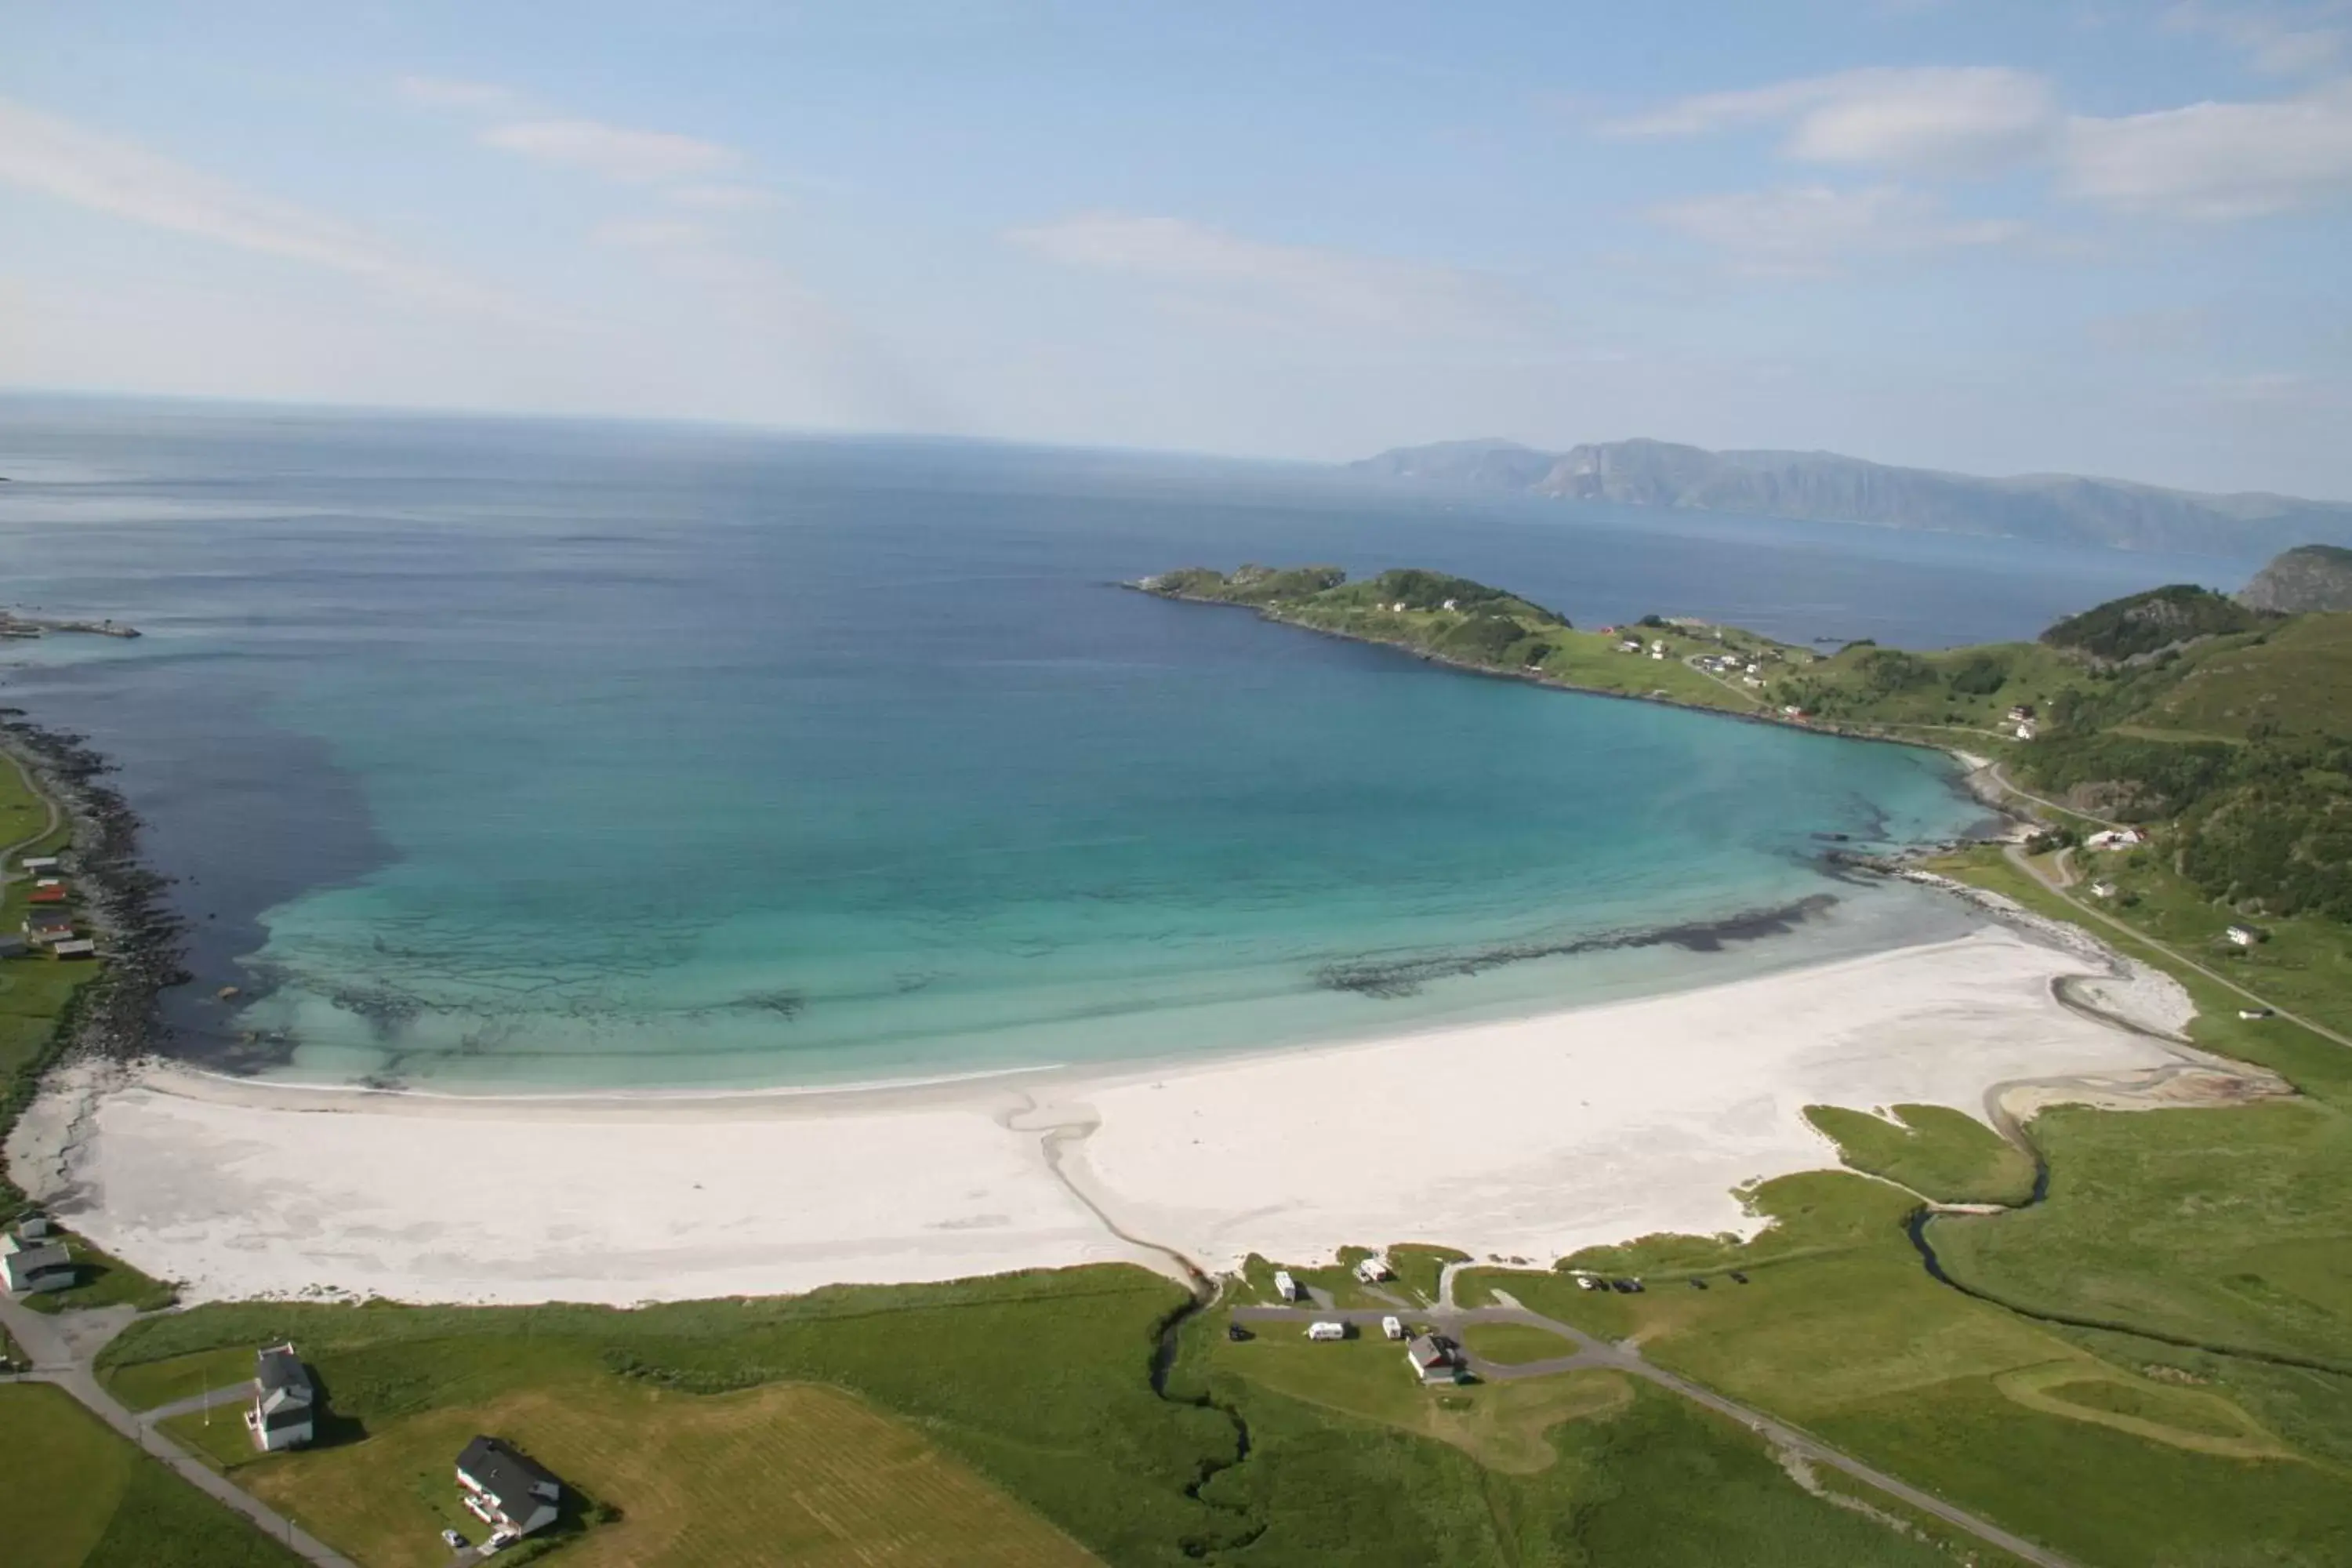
(603, 758)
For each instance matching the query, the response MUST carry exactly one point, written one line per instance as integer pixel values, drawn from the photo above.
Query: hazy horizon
(1995, 239)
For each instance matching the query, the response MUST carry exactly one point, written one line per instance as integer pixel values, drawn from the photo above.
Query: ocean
(501, 754)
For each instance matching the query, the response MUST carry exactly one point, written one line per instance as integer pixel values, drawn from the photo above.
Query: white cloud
(1814, 230)
(58, 158)
(1933, 119)
(2276, 41)
(2216, 162)
(652, 234)
(1221, 268)
(472, 97)
(613, 151)
(725, 197)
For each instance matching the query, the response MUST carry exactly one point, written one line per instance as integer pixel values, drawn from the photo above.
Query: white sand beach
(1525, 1139)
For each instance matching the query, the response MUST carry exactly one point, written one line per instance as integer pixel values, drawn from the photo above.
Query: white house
(2024, 730)
(1373, 1269)
(1285, 1285)
(2244, 936)
(2103, 890)
(36, 1265)
(284, 1401)
(1432, 1362)
(505, 1489)
(2115, 838)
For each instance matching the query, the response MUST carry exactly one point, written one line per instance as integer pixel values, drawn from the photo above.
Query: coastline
(1520, 1139)
(1973, 766)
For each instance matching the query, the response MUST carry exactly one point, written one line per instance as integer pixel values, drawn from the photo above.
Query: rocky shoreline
(121, 899)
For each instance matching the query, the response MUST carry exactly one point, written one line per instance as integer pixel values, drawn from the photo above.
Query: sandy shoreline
(1521, 1139)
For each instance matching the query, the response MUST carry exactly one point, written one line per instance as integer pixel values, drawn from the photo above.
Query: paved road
(2018, 857)
(61, 1348)
(1592, 1352)
(2001, 779)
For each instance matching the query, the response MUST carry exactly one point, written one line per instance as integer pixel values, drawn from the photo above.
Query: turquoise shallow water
(502, 755)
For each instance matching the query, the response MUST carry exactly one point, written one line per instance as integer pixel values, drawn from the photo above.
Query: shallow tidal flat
(1523, 1139)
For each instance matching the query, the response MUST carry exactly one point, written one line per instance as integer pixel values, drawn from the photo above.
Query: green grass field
(1353, 1463)
(1841, 1330)
(1939, 1152)
(1514, 1343)
(35, 989)
(1037, 1382)
(79, 1497)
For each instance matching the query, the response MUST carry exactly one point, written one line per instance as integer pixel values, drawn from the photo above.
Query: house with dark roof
(284, 1401)
(505, 1489)
(49, 925)
(27, 1265)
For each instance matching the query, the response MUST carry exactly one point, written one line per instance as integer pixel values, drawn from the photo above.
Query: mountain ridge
(1828, 486)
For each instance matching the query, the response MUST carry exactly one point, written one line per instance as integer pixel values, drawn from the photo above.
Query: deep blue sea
(498, 753)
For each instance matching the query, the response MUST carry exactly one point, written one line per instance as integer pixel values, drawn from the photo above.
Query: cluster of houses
(2022, 722)
(48, 918)
(1733, 666)
(33, 1257)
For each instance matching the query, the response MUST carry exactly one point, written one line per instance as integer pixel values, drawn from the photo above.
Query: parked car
(454, 1541)
(1237, 1334)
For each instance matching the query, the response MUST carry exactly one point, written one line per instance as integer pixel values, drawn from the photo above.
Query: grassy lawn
(1036, 1384)
(146, 1384)
(80, 1496)
(1512, 1343)
(1939, 1152)
(34, 989)
(1419, 1266)
(788, 1473)
(1842, 1331)
(102, 1280)
(1353, 1463)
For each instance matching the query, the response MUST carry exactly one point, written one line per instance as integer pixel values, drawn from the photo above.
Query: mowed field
(792, 1473)
(74, 1495)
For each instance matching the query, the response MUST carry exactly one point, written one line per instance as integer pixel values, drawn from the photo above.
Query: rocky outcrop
(2308, 578)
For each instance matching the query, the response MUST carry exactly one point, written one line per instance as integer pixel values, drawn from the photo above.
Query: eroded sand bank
(1525, 1139)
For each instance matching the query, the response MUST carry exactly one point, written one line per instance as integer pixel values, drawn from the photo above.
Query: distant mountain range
(1826, 488)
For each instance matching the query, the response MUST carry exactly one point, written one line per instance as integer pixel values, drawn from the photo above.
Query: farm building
(284, 1401)
(27, 1267)
(1432, 1360)
(505, 1489)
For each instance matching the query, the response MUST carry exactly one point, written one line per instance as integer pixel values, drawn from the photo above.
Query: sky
(2083, 236)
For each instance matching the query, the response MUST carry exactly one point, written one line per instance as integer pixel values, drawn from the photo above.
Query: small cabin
(29, 1267)
(1433, 1361)
(39, 866)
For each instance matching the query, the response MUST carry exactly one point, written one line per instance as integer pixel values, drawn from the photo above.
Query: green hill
(2145, 623)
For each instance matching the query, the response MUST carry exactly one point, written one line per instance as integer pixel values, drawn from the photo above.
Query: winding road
(1591, 1353)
